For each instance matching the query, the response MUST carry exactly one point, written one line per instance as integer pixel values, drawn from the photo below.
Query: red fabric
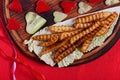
(106, 67)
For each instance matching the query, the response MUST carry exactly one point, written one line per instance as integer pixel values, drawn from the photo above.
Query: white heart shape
(59, 16)
(110, 2)
(83, 7)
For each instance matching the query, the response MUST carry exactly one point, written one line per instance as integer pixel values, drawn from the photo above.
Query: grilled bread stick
(50, 42)
(65, 35)
(110, 19)
(86, 44)
(92, 17)
(53, 47)
(83, 25)
(89, 39)
(102, 31)
(56, 29)
(83, 33)
(62, 49)
(67, 45)
(106, 24)
(67, 52)
(44, 37)
(72, 48)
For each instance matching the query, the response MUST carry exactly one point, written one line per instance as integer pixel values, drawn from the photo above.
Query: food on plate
(34, 22)
(15, 6)
(53, 47)
(110, 2)
(88, 39)
(106, 24)
(61, 49)
(110, 19)
(59, 16)
(44, 37)
(92, 17)
(65, 53)
(84, 7)
(13, 24)
(62, 45)
(83, 25)
(49, 42)
(86, 44)
(103, 30)
(65, 35)
(93, 27)
(68, 6)
(57, 29)
(85, 32)
(72, 47)
(42, 6)
(68, 60)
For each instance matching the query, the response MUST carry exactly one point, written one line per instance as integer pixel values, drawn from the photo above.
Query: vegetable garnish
(59, 16)
(84, 7)
(42, 6)
(94, 1)
(34, 22)
(68, 6)
(13, 24)
(15, 6)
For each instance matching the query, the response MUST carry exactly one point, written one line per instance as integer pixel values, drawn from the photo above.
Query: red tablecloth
(106, 67)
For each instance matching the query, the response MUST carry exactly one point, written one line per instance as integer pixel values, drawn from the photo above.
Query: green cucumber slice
(34, 22)
(59, 16)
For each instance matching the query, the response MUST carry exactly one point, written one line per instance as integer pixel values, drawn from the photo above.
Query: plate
(29, 5)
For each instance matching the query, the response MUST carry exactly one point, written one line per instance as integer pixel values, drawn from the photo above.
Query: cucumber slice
(34, 22)
(84, 7)
(110, 2)
(59, 16)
